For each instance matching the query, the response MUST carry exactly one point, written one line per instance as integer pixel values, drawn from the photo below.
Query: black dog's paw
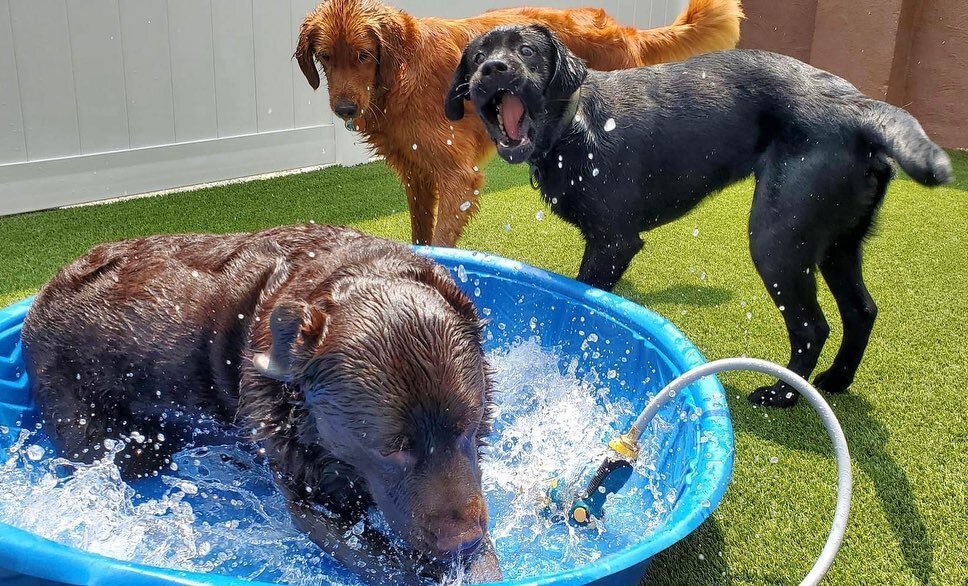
(777, 395)
(834, 380)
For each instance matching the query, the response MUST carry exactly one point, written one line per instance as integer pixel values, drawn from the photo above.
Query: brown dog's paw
(833, 381)
(777, 395)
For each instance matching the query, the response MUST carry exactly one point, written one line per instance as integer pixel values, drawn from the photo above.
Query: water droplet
(465, 206)
(595, 172)
(539, 215)
(414, 146)
(35, 452)
(774, 460)
(695, 232)
(609, 125)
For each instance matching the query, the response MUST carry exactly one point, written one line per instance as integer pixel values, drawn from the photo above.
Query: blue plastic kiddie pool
(521, 303)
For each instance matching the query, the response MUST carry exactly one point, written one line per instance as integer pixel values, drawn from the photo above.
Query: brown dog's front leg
(458, 193)
(422, 201)
(372, 557)
(484, 567)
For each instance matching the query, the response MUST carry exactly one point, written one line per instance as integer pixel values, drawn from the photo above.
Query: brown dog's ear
(569, 70)
(305, 54)
(459, 88)
(389, 31)
(439, 278)
(296, 329)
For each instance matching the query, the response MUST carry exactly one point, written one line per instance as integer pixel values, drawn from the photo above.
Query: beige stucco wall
(913, 53)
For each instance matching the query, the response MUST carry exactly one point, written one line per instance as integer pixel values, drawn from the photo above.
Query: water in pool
(219, 512)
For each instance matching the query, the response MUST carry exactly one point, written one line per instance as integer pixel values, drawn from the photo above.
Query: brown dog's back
(137, 328)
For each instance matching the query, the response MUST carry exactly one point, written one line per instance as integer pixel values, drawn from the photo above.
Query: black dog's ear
(459, 88)
(568, 70)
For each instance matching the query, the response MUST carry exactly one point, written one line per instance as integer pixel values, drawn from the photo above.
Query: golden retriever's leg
(422, 202)
(458, 192)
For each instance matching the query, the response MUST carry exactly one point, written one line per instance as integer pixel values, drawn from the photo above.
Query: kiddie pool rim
(42, 558)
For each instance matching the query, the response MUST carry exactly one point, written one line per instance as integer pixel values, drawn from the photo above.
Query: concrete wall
(104, 98)
(911, 53)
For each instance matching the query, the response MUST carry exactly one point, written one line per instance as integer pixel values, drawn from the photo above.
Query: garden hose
(617, 468)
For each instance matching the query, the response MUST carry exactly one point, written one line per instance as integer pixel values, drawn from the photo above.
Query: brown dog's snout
(493, 66)
(346, 109)
(461, 531)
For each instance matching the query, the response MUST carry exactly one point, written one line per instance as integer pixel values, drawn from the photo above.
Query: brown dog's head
(357, 42)
(395, 380)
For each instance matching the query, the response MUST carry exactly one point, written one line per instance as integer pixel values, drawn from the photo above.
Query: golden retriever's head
(357, 43)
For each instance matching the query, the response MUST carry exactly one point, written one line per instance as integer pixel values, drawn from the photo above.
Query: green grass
(904, 417)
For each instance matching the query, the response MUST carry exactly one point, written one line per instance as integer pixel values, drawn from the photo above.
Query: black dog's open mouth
(506, 113)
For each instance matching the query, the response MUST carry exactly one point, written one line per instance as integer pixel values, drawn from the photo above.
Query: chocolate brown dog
(355, 362)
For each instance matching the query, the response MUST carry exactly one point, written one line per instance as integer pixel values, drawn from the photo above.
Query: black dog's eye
(526, 51)
(479, 58)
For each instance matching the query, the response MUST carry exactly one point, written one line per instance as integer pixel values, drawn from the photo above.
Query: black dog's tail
(902, 137)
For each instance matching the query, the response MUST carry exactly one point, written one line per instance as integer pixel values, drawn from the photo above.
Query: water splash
(218, 511)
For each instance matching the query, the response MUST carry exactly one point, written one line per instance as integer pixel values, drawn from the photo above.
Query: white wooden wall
(103, 98)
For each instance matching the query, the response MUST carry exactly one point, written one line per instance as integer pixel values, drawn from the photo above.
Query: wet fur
(818, 148)
(383, 348)
(397, 69)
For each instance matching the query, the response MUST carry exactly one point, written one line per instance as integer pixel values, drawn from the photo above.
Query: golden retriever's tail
(704, 26)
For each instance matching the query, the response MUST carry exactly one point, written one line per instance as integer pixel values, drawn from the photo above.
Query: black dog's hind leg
(606, 259)
(842, 271)
(783, 254)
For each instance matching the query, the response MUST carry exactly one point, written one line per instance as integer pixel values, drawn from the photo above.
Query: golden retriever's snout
(346, 109)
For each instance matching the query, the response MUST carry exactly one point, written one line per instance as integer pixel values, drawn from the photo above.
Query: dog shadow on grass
(678, 293)
(867, 440)
(700, 559)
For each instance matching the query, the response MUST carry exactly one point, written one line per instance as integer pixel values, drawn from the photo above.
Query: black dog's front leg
(606, 260)
(373, 557)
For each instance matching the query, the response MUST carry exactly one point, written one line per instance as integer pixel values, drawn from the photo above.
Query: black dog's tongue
(512, 109)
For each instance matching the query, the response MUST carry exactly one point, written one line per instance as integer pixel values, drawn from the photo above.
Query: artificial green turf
(904, 417)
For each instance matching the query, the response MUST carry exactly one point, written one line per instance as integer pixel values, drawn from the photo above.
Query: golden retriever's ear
(305, 54)
(389, 28)
(459, 88)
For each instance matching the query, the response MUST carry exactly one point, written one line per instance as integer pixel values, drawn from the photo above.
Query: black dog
(623, 152)
(356, 363)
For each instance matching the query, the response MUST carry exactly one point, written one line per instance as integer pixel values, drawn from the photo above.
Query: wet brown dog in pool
(355, 362)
